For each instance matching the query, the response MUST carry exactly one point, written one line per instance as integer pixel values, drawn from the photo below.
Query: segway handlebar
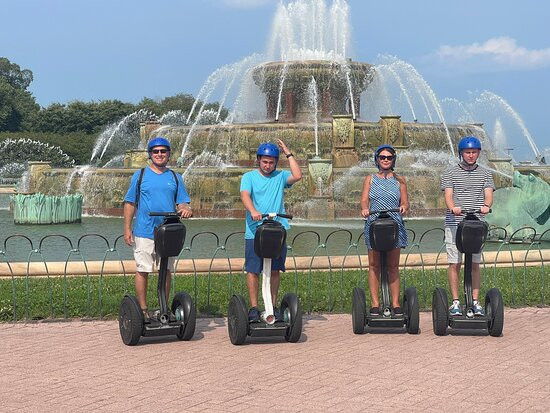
(272, 215)
(164, 214)
(384, 211)
(473, 211)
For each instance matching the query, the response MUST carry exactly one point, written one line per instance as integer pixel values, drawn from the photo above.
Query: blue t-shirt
(267, 196)
(156, 195)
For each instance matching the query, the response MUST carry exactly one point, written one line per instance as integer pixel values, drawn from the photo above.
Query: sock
(457, 301)
(475, 302)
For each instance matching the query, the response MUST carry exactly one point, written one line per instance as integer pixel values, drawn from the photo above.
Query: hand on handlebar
(456, 210)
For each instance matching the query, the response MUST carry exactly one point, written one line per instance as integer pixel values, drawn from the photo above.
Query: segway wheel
(358, 310)
(184, 309)
(440, 313)
(412, 312)
(237, 320)
(494, 310)
(130, 320)
(292, 313)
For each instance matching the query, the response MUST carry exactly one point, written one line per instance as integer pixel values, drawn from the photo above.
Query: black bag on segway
(384, 233)
(169, 239)
(269, 239)
(471, 235)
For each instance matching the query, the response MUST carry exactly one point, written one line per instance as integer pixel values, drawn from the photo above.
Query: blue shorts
(255, 264)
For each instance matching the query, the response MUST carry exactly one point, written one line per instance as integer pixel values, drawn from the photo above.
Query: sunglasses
(384, 157)
(155, 151)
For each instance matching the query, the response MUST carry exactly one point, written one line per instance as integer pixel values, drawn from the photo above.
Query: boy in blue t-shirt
(161, 190)
(262, 191)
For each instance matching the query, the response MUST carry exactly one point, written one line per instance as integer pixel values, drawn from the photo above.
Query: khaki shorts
(146, 259)
(453, 256)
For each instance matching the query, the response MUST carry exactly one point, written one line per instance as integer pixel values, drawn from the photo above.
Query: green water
(56, 248)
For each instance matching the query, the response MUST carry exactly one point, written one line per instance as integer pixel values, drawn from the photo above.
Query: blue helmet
(159, 141)
(268, 149)
(468, 142)
(388, 148)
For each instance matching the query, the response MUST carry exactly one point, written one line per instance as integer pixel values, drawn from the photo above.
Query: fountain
(331, 110)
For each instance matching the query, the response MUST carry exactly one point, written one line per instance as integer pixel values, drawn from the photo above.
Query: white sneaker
(455, 309)
(478, 310)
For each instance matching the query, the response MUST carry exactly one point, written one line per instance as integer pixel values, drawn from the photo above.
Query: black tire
(440, 312)
(412, 311)
(130, 320)
(494, 310)
(237, 320)
(358, 310)
(183, 302)
(291, 310)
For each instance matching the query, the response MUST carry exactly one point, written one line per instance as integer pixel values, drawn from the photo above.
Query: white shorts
(453, 256)
(146, 258)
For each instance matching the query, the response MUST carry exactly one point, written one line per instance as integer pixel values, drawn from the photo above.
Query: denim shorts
(255, 264)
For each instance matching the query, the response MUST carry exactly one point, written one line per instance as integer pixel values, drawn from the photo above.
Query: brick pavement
(83, 366)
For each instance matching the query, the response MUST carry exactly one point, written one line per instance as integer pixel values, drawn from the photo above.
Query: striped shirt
(468, 190)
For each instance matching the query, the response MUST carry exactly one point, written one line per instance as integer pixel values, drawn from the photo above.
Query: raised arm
(294, 167)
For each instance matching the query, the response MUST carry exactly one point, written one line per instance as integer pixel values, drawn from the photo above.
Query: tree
(17, 105)
(12, 73)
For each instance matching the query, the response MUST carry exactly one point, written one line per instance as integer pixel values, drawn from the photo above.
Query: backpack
(138, 191)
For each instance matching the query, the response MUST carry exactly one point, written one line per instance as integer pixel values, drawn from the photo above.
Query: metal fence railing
(316, 266)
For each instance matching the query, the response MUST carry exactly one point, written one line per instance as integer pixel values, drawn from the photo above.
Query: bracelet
(289, 155)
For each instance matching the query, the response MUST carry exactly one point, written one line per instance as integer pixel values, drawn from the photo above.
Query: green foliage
(76, 145)
(23, 150)
(319, 291)
(17, 105)
(14, 76)
(77, 116)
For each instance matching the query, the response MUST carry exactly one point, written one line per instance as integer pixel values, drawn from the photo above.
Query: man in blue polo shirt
(262, 191)
(160, 190)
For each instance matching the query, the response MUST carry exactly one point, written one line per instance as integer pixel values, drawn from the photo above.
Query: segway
(181, 318)
(269, 242)
(384, 234)
(471, 235)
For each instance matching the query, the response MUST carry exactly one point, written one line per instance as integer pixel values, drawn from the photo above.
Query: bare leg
(141, 288)
(374, 276)
(476, 280)
(393, 275)
(452, 274)
(275, 280)
(253, 285)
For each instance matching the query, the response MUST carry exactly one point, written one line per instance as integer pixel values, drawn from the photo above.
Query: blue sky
(108, 49)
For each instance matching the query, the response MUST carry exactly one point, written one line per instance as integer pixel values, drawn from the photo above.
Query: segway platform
(180, 319)
(269, 241)
(471, 235)
(384, 233)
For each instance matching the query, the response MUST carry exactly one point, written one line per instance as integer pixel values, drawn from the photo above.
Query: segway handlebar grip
(382, 211)
(274, 214)
(473, 211)
(164, 214)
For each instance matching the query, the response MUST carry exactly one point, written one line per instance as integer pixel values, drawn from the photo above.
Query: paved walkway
(83, 366)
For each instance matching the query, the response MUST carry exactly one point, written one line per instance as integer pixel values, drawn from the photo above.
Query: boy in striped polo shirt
(466, 186)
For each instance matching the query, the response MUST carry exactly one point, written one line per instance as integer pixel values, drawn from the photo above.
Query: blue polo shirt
(267, 196)
(156, 195)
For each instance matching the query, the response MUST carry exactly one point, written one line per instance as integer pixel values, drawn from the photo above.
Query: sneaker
(478, 310)
(253, 315)
(146, 318)
(398, 311)
(277, 314)
(455, 309)
(374, 311)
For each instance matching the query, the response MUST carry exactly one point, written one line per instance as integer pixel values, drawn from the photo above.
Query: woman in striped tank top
(385, 190)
